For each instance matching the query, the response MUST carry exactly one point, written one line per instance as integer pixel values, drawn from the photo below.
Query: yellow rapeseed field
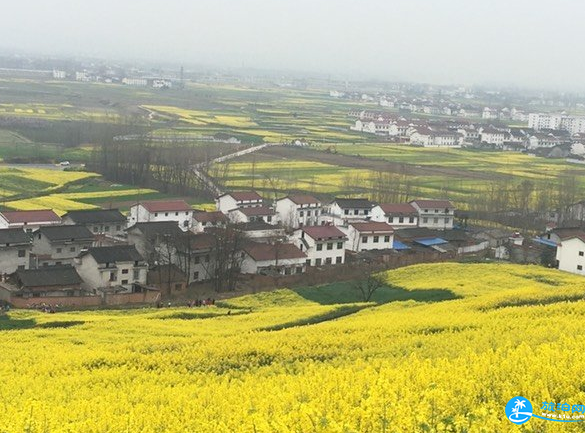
(284, 362)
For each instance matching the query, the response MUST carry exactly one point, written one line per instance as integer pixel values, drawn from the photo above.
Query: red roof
(209, 217)
(433, 204)
(566, 233)
(263, 252)
(255, 211)
(30, 216)
(303, 199)
(166, 205)
(323, 232)
(372, 226)
(245, 195)
(398, 208)
(201, 241)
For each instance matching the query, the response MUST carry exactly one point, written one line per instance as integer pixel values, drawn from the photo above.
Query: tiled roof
(48, 276)
(323, 232)
(14, 236)
(65, 233)
(256, 211)
(95, 216)
(30, 216)
(398, 209)
(207, 217)
(166, 206)
(373, 226)
(263, 252)
(244, 195)
(114, 254)
(433, 204)
(303, 199)
(360, 203)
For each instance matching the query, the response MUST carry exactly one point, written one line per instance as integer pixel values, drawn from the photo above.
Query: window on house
(269, 218)
(20, 267)
(346, 211)
(411, 220)
(95, 229)
(330, 245)
(72, 249)
(196, 260)
(196, 275)
(302, 213)
(436, 220)
(287, 271)
(22, 253)
(308, 262)
(581, 253)
(356, 212)
(136, 274)
(206, 258)
(124, 281)
(124, 271)
(185, 223)
(57, 263)
(338, 260)
(118, 228)
(447, 220)
(176, 213)
(425, 220)
(59, 250)
(308, 213)
(401, 219)
(579, 267)
(436, 210)
(376, 239)
(299, 270)
(112, 276)
(364, 239)
(166, 214)
(366, 212)
(328, 261)
(107, 228)
(339, 245)
(319, 247)
(156, 214)
(386, 239)
(318, 262)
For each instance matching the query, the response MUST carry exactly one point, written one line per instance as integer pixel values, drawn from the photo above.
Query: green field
(307, 360)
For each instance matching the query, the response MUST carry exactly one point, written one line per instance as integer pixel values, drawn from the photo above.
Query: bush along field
(300, 361)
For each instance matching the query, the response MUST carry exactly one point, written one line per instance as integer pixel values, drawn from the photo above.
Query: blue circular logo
(519, 410)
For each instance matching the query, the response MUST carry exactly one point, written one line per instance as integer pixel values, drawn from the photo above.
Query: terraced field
(308, 360)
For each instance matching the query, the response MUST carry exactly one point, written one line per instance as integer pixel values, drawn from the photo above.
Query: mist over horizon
(527, 44)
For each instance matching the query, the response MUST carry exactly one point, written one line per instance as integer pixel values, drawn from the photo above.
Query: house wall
(395, 220)
(112, 228)
(61, 252)
(251, 266)
(571, 256)
(10, 261)
(289, 213)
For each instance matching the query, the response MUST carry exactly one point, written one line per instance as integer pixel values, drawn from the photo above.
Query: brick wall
(147, 297)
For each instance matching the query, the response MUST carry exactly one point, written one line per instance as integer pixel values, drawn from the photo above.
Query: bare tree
(369, 284)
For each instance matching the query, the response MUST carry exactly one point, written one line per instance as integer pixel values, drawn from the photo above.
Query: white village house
(59, 245)
(161, 210)
(344, 210)
(299, 210)
(272, 259)
(29, 220)
(435, 214)
(251, 214)
(323, 245)
(99, 221)
(118, 267)
(372, 235)
(233, 200)
(396, 214)
(571, 253)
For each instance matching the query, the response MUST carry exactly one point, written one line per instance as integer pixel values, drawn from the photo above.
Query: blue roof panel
(399, 246)
(429, 242)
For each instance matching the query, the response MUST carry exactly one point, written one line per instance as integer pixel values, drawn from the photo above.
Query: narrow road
(208, 182)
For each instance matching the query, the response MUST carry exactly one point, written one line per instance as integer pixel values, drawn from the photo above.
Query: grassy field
(309, 360)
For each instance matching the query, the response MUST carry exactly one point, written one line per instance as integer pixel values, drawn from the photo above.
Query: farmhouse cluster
(553, 135)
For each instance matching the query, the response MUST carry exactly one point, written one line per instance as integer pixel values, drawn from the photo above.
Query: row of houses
(427, 133)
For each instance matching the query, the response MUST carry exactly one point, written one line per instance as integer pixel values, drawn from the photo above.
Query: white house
(571, 254)
(15, 248)
(233, 200)
(118, 267)
(491, 135)
(161, 210)
(251, 214)
(99, 221)
(362, 125)
(396, 214)
(299, 210)
(323, 245)
(59, 245)
(29, 220)
(370, 235)
(272, 259)
(435, 214)
(343, 210)
(260, 231)
(206, 220)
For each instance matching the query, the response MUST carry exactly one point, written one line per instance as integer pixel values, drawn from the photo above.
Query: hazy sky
(533, 43)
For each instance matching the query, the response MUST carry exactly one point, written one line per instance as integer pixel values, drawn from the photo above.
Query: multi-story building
(436, 214)
(162, 210)
(59, 245)
(396, 214)
(15, 248)
(370, 235)
(299, 210)
(240, 199)
(344, 210)
(29, 220)
(99, 221)
(323, 245)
